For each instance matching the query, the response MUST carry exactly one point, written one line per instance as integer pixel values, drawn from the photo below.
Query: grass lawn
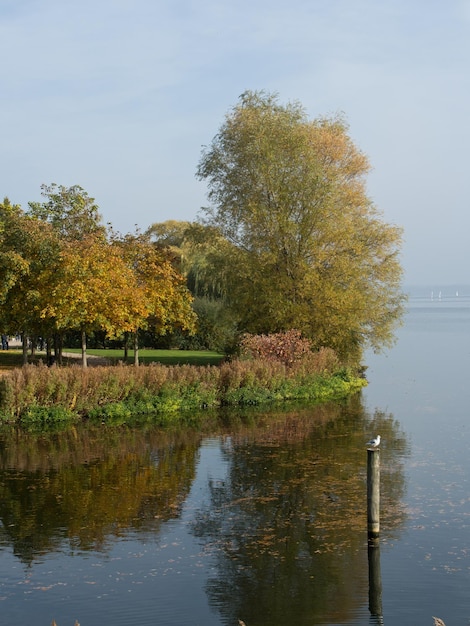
(10, 359)
(167, 357)
(14, 358)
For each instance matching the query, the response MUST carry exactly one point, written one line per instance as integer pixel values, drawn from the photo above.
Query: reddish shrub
(287, 347)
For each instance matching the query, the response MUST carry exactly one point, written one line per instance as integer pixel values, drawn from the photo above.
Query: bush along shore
(36, 394)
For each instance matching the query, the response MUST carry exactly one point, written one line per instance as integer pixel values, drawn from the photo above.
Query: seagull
(374, 443)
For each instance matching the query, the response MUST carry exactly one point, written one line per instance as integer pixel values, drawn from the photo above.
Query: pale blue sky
(118, 96)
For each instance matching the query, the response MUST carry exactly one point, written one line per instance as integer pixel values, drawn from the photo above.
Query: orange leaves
(114, 287)
(161, 288)
(90, 288)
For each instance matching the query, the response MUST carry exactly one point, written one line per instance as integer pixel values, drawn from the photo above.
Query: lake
(260, 517)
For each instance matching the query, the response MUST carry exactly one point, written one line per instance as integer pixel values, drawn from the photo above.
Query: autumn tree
(61, 270)
(160, 287)
(12, 265)
(308, 248)
(75, 219)
(93, 288)
(28, 259)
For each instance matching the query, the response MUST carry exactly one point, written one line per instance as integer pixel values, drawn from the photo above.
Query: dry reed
(37, 392)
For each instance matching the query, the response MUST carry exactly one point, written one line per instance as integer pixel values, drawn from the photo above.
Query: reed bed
(37, 393)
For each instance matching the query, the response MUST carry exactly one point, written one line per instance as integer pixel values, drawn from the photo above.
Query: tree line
(289, 240)
(62, 270)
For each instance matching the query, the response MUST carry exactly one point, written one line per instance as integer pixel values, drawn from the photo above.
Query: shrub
(286, 347)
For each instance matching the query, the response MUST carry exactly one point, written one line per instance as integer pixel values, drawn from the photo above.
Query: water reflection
(283, 522)
(375, 581)
(88, 487)
(289, 520)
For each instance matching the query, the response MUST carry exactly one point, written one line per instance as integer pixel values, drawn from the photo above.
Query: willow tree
(309, 248)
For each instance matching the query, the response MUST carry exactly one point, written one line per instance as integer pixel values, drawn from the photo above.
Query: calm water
(262, 517)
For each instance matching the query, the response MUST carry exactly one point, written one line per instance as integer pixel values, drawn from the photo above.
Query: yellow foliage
(309, 249)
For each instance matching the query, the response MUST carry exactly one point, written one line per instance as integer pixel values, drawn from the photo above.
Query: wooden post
(375, 578)
(373, 493)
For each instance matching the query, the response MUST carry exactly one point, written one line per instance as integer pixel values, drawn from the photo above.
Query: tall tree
(309, 248)
(74, 217)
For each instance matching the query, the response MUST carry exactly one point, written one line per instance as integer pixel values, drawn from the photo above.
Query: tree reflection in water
(286, 530)
(288, 526)
(87, 487)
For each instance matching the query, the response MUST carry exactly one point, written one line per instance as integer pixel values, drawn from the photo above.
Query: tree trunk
(25, 348)
(58, 348)
(126, 346)
(136, 348)
(84, 359)
(49, 351)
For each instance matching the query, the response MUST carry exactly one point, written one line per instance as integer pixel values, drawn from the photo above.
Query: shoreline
(41, 395)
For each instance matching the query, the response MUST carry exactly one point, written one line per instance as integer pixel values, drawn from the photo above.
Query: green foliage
(115, 413)
(69, 210)
(216, 327)
(29, 252)
(42, 415)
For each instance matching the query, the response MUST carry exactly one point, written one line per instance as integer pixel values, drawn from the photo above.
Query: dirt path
(92, 359)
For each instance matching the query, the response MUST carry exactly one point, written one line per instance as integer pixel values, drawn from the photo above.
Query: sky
(120, 96)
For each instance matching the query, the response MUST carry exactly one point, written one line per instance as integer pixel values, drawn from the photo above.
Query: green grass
(166, 357)
(11, 358)
(14, 358)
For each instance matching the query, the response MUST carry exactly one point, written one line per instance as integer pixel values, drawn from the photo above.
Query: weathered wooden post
(373, 493)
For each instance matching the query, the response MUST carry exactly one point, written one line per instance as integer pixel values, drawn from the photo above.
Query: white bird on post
(374, 443)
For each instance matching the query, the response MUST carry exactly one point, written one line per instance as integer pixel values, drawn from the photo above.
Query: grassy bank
(38, 394)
